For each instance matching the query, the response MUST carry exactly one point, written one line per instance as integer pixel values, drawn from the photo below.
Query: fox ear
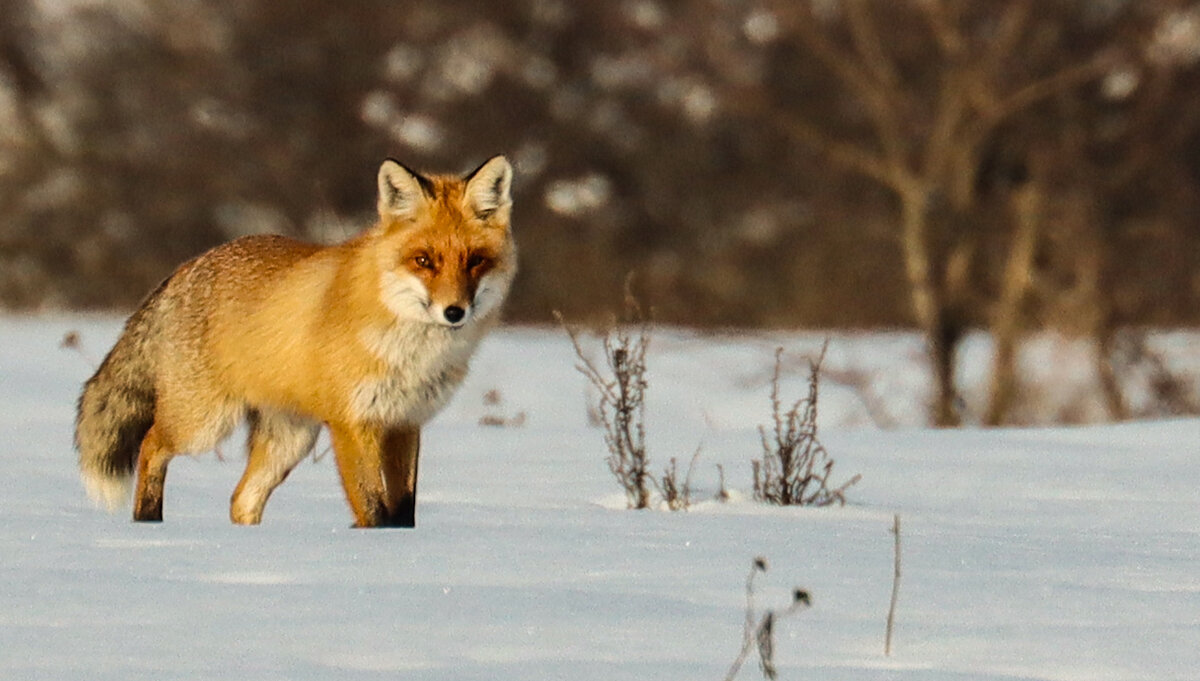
(401, 191)
(487, 192)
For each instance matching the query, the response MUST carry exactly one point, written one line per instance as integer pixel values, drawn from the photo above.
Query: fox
(368, 338)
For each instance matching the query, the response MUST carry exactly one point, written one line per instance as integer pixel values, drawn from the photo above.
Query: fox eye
(423, 261)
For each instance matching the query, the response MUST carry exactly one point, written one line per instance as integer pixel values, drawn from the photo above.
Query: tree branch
(1009, 30)
(1066, 79)
(879, 100)
(868, 45)
(852, 157)
(947, 121)
(944, 23)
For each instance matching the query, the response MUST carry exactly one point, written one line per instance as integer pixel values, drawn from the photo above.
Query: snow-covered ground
(1061, 553)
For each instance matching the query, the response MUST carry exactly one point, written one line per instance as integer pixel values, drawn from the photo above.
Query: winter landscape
(1013, 183)
(1064, 553)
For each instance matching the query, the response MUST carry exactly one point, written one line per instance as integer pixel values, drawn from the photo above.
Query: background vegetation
(938, 164)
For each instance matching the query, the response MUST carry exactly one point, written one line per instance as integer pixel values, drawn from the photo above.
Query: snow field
(1058, 554)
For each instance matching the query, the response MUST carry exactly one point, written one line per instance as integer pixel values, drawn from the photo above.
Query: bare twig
(860, 382)
(891, 616)
(868, 45)
(878, 96)
(943, 23)
(857, 158)
(1131, 358)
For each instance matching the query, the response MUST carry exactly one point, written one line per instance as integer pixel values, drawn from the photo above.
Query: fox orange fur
(369, 338)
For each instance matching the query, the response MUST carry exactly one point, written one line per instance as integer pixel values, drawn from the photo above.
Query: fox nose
(454, 314)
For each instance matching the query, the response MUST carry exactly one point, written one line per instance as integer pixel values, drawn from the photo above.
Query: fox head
(445, 243)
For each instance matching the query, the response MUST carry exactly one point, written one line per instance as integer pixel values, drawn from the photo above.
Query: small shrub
(621, 387)
(795, 468)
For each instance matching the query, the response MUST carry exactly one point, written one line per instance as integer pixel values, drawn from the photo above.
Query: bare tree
(938, 134)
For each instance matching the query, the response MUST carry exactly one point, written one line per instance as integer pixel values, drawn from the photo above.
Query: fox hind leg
(181, 426)
(153, 457)
(278, 442)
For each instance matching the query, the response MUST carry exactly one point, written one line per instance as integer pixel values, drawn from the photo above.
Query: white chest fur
(425, 365)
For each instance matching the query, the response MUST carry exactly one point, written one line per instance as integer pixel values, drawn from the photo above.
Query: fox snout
(450, 294)
(425, 299)
(455, 314)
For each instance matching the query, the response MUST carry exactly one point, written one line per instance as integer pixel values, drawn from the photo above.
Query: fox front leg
(357, 451)
(401, 447)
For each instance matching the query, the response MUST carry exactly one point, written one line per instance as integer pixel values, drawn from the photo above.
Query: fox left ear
(401, 190)
(487, 192)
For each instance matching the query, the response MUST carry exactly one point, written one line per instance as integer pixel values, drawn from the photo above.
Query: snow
(1053, 553)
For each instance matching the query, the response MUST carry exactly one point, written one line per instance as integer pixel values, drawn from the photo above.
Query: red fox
(369, 337)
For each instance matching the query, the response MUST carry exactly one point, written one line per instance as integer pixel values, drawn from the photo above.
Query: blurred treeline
(944, 164)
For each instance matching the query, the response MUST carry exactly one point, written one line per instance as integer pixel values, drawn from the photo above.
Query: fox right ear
(488, 190)
(401, 191)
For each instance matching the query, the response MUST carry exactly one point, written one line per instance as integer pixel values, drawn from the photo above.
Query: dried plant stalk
(891, 616)
(758, 633)
(621, 386)
(795, 467)
(676, 493)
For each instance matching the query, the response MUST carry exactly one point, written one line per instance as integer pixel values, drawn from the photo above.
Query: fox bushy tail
(117, 408)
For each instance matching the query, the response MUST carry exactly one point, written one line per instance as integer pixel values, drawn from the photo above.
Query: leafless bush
(621, 386)
(620, 410)
(795, 468)
(759, 631)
